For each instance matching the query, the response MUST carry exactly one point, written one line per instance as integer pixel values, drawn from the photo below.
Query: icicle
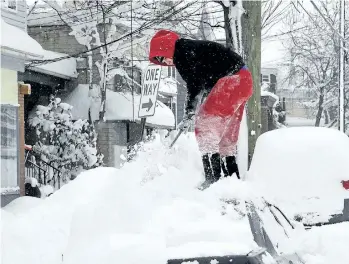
(235, 14)
(240, 12)
(232, 19)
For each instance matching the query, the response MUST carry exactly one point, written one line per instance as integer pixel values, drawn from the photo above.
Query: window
(9, 4)
(265, 78)
(122, 84)
(9, 146)
(171, 72)
(136, 77)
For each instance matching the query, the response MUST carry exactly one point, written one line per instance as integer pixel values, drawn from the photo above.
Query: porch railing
(41, 170)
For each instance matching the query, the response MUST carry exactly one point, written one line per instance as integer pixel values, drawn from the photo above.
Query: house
(269, 75)
(17, 48)
(46, 79)
(121, 126)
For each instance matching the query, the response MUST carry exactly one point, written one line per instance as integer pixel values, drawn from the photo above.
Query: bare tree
(273, 12)
(314, 58)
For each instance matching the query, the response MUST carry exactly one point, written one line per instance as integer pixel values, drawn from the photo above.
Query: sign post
(150, 88)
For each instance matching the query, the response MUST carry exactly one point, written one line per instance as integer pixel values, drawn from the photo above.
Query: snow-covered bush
(133, 150)
(67, 145)
(278, 113)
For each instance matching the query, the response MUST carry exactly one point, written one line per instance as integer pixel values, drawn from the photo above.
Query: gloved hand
(186, 122)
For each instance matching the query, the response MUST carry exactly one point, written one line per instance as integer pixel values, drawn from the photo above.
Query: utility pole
(341, 68)
(251, 38)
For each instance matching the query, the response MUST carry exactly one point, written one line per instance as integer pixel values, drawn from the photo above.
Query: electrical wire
(145, 25)
(113, 15)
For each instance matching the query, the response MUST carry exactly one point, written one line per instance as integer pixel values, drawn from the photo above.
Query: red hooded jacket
(200, 63)
(162, 45)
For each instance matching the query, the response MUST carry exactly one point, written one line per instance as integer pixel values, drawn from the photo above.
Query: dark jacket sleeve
(193, 90)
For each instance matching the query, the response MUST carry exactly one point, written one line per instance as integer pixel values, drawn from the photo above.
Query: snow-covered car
(304, 170)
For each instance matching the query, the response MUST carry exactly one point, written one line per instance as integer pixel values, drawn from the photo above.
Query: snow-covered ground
(149, 209)
(146, 212)
(296, 121)
(325, 245)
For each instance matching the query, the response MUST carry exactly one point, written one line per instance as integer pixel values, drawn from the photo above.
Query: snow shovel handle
(176, 138)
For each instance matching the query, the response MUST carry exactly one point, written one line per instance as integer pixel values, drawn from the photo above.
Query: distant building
(269, 75)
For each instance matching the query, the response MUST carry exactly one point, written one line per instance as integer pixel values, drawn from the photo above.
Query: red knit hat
(162, 45)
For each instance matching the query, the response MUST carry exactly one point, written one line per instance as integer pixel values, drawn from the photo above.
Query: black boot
(212, 169)
(207, 168)
(216, 166)
(224, 168)
(232, 166)
(208, 173)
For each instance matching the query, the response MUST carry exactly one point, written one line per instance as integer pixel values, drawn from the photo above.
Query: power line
(145, 25)
(113, 15)
(55, 15)
(84, 9)
(140, 18)
(79, 17)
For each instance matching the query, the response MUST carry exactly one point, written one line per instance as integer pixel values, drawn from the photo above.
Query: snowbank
(14, 39)
(64, 68)
(146, 212)
(324, 245)
(295, 121)
(118, 107)
(21, 206)
(301, 169)
(150, 211)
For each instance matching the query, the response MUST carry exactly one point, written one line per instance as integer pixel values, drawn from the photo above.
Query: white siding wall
(16, 17)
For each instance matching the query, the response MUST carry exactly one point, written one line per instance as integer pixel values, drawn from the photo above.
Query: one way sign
(150, 90)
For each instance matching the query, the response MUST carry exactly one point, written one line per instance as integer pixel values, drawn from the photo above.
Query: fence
(44, 172)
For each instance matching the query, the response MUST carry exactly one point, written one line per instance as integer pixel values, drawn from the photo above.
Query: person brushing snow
(218, 75)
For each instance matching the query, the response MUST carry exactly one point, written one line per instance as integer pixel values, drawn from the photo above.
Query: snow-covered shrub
(133, 150)
(67, 145)
(277, 111)
(279, 115)
(31, 186)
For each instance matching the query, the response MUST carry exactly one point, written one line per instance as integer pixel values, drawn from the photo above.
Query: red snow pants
(218, 120)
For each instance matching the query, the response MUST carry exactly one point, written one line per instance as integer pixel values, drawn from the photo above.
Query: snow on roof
(15, 40)
(118, 107)
(168, 86)
(64, 68)
(266, 93)
(273, 98)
